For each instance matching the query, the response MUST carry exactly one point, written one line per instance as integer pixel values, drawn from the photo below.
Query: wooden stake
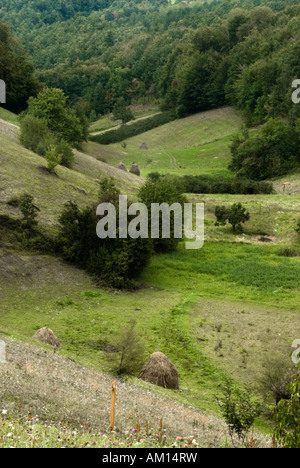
(113, 406)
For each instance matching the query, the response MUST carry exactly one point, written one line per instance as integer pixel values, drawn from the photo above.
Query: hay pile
(46, 335)
(135, 169)
(122, 167)
(159, 370)
(144, 146)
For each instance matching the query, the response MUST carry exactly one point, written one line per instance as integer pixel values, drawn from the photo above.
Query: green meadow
(194, 145)
(223, 310)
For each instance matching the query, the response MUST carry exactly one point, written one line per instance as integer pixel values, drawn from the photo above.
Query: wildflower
(9, 434)
(178, 438)
(134, 430)
(4, 411)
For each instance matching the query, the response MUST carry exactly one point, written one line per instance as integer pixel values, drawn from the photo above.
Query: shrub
(36, 136)
(167, 189)
(270, 152)
(53, 159)
(116, 262)
(34, 132)
(278, 373)
(135, 128)
(236, 216)
(122, 112)
(51, 106)
(210, 184)
(286, 415)
(65, 152)
(29, 210)
(132, 350)
(239, 410)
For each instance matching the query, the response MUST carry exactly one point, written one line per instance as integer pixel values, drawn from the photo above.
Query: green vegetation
(16, 70)
(239, 411)
(218, 313)
(116, 261)
(236, 215)
(271, 152)
(287, 414)
(135, 128)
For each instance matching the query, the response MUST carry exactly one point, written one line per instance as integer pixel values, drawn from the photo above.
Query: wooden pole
(113, 406)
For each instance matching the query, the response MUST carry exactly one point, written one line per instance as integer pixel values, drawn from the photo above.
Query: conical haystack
(46, 335)
(135, 169)
(159, 370)
(143, 146)
(122, 167)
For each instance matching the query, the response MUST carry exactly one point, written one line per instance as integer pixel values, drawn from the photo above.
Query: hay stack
(122, 167)
(135, 169)
(46, 335)
(144, 146)
(159, 370)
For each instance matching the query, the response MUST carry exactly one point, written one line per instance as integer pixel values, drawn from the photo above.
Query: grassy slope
(196, 144)
(192, 299)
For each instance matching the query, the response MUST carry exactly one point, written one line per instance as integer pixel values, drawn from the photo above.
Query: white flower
(9, 434)
(4, 411)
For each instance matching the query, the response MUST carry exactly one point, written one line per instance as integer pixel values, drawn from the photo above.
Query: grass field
(224, 310)
(195, 145)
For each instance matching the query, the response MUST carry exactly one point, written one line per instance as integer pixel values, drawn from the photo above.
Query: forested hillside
(188, 57)
(193, 56)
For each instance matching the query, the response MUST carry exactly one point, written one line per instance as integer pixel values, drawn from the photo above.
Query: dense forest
(189, 56)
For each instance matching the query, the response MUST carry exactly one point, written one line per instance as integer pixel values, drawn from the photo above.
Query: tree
(132, 350)
(117, 262)
(286, 415)
(239, 410)
(236, 216)
(35, 134)
(28, 209)
(53, 159)
(17, 71)
(51, 106)
(165, 190)
(272, 151)
(122, 112)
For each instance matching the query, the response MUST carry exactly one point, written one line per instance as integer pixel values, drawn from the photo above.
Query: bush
(65, 152)
(53, 159)
(51, 106)
(271, 152)
(239, 410)
(132, 350)
(209, 184)
(135, 128)
(36, 136)
(116, 262)
(34, 133)
(167, 189)
(236, 216)
(286, 415)
(29, 210)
